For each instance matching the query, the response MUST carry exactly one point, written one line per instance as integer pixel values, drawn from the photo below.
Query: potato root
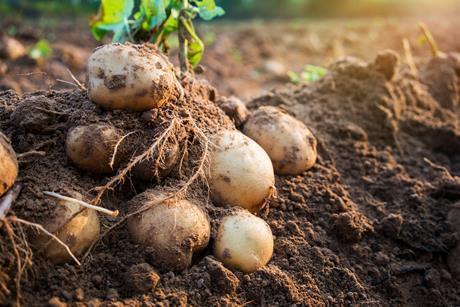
(173, 229)
(289, 143)
(243, 241)
(241, 171)
(131, 77)
(77, 232)
(91, 147)
(8, 165)
(150, 170)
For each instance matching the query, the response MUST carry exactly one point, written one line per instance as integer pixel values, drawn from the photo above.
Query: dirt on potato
(372, 223)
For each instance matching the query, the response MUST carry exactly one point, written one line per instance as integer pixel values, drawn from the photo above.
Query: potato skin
(78, 233)
(130, 77)
(173, 229)
(243, 241)
(289, 143)
(91, 147)
(8, 165)
(241, 171)
(11, 48)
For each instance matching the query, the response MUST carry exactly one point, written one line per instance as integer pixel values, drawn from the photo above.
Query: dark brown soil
(372, 223)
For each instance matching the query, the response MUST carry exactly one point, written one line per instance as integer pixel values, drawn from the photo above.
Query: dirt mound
(366, 225)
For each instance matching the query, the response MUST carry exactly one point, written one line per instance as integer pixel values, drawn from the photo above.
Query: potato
(288, 142)
(8, 165)
(173, 229)
(234, 108)
(78, 233)
(241, 173)
(91, 147)
(145, 170)
(243, 241)
(131, 77)
(11, 48)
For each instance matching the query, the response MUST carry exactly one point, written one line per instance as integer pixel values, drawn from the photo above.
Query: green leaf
(207, 9)
(172, 23)
(195, 52)
(293, 77)
(40, 50)
(313, 73)
(111, 17)
(195, 46)
(155, 11)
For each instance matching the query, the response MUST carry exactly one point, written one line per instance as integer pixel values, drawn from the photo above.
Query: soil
(245, 59)
(372, 223)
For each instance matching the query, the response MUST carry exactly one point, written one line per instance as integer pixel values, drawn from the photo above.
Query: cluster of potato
(242, 169)
(242, 174)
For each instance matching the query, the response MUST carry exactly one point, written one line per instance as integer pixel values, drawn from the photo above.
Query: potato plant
(154, 21)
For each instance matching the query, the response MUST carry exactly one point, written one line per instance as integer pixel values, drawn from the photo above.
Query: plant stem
(182, 47)
(430, 39)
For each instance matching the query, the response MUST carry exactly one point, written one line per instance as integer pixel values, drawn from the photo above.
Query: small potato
(11, 48)
(145, 170)
(131, 77)
(8, 165)
(243, 241)
(241, 171)
(288, 142)
(174, 229)
(78, 233)
(234, 108)
(91, 147)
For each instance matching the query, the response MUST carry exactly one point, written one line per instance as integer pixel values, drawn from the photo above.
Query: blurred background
(238, 9)
(256, 46)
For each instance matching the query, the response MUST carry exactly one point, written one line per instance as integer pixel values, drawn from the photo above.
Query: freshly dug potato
(243, 241)
(145, 170)
(8, 165)
(288, 142)
(234, 108)
(131, 77)
(78, 233)
(91, 147)
(11, 48)
(174, 229)
(241, 171)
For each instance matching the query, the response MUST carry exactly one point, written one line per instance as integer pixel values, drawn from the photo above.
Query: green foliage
(154, 21)
(41, 50)
(310, 74)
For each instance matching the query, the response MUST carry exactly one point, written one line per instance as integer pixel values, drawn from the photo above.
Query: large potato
(241, 171)
(91, 147)
(8, 165)
(77, 232)
(174, 229)
(289, 143)
(131, 77)
(243, 241)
